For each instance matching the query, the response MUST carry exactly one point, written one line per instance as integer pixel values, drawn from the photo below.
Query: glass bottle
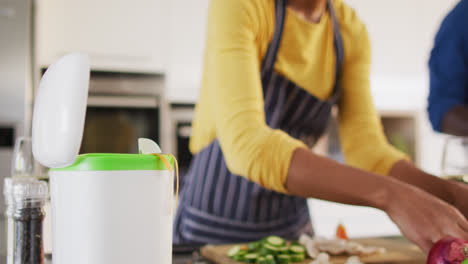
(29, 197)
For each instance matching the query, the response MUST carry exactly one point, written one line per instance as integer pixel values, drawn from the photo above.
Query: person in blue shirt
(448, 65)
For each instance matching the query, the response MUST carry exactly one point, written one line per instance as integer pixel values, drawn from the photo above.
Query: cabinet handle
(7, 12)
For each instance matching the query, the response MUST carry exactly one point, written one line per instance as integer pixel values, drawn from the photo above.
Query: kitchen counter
(185, 259)
(194, 257)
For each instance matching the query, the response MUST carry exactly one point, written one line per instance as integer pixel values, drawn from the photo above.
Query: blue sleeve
(448, 66)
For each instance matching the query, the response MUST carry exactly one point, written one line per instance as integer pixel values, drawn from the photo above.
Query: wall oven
(114, 123)
(123, 107)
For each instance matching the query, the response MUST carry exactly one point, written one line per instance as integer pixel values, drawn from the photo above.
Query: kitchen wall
(402, 35)
(187, 38)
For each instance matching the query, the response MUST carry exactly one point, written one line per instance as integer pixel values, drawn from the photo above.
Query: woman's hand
(459, 193)
(424, 218)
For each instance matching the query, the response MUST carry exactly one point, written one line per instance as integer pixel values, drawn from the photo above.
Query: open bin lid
(59, 111)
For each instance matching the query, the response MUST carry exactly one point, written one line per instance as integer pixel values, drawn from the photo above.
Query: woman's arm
(406, 172)
(234, 97)
(406, 198)
(421, 217)
(362, 137)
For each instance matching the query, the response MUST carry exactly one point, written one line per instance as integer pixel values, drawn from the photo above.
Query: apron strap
(270, 56)
(272, 51)
(339, 52)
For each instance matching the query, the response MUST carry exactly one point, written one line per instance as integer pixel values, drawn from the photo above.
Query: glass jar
(29, 197)
(455, 159)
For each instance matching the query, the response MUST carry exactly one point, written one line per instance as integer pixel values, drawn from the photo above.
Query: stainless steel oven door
(114, 123)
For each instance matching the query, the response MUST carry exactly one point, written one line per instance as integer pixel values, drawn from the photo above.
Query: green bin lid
(117, 162)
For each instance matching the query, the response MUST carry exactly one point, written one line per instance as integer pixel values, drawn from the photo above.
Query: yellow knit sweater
(230, 108)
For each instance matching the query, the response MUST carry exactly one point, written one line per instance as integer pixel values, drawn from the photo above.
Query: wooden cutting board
(398, 251)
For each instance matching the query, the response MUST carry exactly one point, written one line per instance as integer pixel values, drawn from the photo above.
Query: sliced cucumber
(284, 259)
(297, 249)
(297, 257)
(275, 241)
(253, 246)
(295, 243)
(269, 249)
(242, 252)
(251, 258)
(233, 251)
(269, 259)
(238, 257)
(283, 250)
(261, 260)
(263, 251)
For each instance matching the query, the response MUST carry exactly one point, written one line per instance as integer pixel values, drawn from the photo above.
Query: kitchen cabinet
(118, 35)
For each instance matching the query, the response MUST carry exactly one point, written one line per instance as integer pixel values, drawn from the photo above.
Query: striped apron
(217, 206)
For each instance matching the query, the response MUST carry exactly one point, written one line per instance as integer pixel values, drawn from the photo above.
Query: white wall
(401, 32)
(187, 41)
(402, 35)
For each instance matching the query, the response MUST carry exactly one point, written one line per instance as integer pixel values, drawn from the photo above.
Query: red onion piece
(448, 250)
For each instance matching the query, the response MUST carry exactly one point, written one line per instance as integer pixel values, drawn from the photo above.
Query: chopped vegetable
(251, 258)
(269, 249)
(297, 257)
(233, 251)
(284, 259)
(353, 260)
(261, 260)
(297, 249)
(253, 246)
(270, 259)
(341, 232)
(448, 250)
(283, 250)
(238, 257)
(322, 258)
(275, 241)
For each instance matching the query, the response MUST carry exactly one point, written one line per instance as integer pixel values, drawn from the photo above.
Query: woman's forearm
(314, 176)
(405, 171)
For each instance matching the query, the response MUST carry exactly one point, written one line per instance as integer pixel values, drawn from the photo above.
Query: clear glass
(23, 160)
(455, 159)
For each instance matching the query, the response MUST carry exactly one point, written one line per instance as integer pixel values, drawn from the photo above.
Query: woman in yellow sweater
(273, 70)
